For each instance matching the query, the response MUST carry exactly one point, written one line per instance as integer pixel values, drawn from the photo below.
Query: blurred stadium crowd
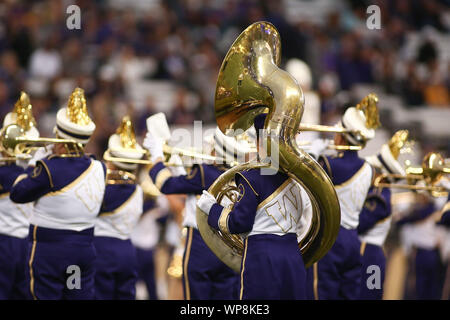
(178, 46)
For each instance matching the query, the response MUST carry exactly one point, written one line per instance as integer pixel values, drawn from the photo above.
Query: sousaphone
(250, 82)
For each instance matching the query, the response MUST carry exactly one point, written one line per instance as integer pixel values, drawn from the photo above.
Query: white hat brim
(69, 130)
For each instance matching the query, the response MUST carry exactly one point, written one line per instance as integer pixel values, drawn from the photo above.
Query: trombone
(432, 169)
(15, 144)
(331, 129)
(167, 150)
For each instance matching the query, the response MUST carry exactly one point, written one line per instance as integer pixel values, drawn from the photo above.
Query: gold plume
(126, 133)
(368, 105)
(23, 110)
(77, 109)
(397, 142)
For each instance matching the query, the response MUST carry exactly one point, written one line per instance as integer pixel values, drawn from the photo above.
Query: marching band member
(445, 246)
(68, 188)
(205, 277)
(338, 274)
(445, 212)
(116, 264)
(146, 234)
(272, 266)
(375, 218)
(14, 217)
(422, 235)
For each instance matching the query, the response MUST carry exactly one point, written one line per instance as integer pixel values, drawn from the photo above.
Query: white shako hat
(233, 148)
(73, 122)
(387, 158)
(301, 72)
(22, 115)
(123, 144)
(362, 118)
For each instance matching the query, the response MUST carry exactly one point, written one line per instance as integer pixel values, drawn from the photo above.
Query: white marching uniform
(283, 212)
(377, 234)
(120, 222)
(14, 217)
(85, 196)
(352, 195)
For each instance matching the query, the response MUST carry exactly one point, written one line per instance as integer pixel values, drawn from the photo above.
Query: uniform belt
(56, 235)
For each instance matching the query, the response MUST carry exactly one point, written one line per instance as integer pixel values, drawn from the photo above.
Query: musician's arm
(183, 184)
(416, 215)
(375, 210)
(32, 185)
(242, 217)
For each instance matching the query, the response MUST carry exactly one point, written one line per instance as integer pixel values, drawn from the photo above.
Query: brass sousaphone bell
(250, 83)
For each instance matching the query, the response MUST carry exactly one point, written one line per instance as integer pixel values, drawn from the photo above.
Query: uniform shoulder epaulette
(377, 197)
(197, 168)
(248, 176)
(38, 169)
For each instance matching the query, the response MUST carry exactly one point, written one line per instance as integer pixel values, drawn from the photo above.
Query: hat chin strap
(125, 166)
(351, 139)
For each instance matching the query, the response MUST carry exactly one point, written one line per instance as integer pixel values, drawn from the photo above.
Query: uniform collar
(348, 154)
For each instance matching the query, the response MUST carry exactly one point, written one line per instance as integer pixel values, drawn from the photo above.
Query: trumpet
(15, 144)
(331, 129)
(432, 169)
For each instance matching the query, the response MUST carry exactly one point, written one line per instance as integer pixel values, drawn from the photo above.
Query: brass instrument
(167, 150)
(14, 143)
(431, 171)
(120, 177)
(304, 144)
(249, 83)
(322, 128)
(368, 106)
(108, 157)
(24, 118)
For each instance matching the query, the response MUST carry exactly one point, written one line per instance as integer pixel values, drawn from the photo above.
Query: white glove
(40, 154)
(178, 169)
(206, 201)
(317, 147)
(22, 160)
(154, 145)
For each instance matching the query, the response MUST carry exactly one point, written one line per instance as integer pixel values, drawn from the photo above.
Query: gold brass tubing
(377, 183)
(334, 147)
(322, 128)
